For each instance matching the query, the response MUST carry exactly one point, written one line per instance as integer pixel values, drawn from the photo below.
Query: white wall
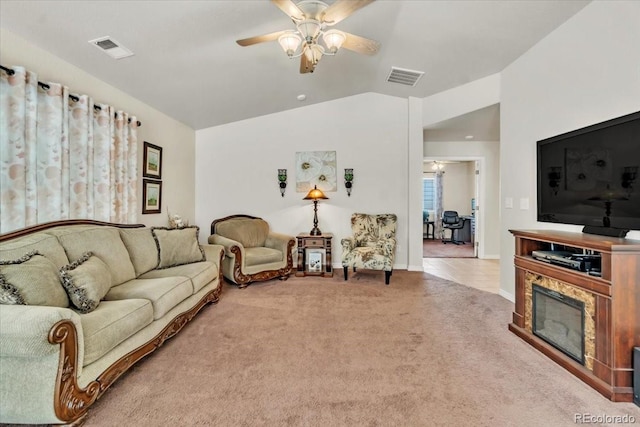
(585, 72)
(461, 100)
(489, 215)
(237, 163)
(176, 139)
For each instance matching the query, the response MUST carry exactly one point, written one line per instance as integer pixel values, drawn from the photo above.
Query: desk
(426, 234)
(465, 234)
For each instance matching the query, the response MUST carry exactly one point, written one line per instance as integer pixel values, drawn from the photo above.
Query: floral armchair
(252, 251)
(373, 244)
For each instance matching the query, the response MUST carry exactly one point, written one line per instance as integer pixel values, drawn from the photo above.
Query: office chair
(453, 222)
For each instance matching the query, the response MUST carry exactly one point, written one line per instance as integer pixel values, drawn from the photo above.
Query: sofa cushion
(249, 232)
(200, 273)
(177, 246)
(32, 280)
(111, 323)
(87, 280)
(257, 256)
(164, 293)
(106, 244)
(142, 248)
(45, 244)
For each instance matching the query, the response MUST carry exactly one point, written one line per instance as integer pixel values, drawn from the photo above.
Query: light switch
(524, 203)
(508, 202)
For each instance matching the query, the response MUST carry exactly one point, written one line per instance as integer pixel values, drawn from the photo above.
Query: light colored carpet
(323, 352)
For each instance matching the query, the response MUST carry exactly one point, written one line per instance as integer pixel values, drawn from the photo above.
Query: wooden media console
(611, 304)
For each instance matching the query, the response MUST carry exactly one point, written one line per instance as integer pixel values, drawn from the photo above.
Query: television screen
(590, 176)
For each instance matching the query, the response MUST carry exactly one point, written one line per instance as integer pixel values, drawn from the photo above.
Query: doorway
(458, 180)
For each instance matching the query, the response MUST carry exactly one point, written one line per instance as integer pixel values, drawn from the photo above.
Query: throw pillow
(177, 246)
(142, 248)
(87, 281)
(31, 280)
(105, 243)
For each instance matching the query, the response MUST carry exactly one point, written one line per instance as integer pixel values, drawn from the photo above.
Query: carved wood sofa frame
(71, 402)
(243, 280)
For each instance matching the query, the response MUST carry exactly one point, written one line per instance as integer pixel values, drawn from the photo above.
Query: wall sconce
(348, 180)
(629, 175)
(554, 176)
(282, 180)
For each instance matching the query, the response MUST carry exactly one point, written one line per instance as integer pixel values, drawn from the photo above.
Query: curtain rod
(45, 86)
(8, 70)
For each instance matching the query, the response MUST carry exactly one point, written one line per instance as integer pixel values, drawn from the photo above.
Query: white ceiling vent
(404, 76)
(111, 47)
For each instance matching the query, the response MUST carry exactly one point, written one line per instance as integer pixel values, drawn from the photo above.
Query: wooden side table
(314, 255)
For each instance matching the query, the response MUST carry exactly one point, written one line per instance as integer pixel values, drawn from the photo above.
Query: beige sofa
(82, 301)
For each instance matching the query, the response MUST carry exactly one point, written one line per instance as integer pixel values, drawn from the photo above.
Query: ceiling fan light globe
(334, 40)
(308, 53)
(289, 42)
(314, 53)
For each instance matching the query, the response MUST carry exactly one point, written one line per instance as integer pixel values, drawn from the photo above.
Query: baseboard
(416, 268)
(506, 295)
(492, 256)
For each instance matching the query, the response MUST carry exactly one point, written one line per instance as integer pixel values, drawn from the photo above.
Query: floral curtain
(63, 158)
(438, 230)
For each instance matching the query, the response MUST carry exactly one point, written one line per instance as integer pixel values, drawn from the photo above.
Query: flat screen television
(589, 176)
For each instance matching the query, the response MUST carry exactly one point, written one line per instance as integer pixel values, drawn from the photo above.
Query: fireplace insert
(559, 320)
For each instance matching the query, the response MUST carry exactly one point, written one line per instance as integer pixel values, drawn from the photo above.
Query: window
(428, 194)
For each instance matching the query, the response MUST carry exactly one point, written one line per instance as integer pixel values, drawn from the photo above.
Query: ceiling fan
(312, 19)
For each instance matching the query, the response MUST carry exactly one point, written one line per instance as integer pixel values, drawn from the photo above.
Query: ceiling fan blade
(260, 39)
(290, 8)
(341, 9)
(360, 44)
(306, 66)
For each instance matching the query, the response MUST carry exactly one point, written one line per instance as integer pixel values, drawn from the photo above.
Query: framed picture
(151, 196)
(316, 168)
(315, 260)
(152, 161)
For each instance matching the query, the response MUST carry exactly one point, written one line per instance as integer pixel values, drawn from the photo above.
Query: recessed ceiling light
(301, 97)
(469, 137)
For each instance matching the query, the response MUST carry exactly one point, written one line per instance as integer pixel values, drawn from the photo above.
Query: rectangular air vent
(404, 76)
(111, 47)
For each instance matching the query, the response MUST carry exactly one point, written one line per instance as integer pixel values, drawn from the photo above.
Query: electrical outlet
(398, 248)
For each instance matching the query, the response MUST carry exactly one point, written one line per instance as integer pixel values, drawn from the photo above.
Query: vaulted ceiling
(187, 64)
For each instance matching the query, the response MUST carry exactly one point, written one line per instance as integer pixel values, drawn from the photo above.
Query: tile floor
(477, 273)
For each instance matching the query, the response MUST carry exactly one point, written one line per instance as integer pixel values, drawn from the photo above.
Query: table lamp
(315, 195)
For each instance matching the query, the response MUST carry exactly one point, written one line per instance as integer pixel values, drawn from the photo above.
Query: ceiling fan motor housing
(312, 9)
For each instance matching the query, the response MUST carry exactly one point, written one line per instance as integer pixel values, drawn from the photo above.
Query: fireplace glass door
(559, 320)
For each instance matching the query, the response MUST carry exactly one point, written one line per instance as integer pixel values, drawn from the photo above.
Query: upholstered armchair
(373, 244)
(252, 251)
